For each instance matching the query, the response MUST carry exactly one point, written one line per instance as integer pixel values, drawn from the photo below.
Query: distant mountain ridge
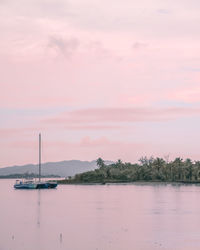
(61, 168)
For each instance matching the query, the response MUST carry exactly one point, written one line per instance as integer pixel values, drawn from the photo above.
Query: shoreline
(61, 182)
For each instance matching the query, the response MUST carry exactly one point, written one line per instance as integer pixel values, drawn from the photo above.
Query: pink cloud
(6, 132)
(88, 142)
(92, 127)
(119, 65)
(188, 94)
(16, 132)
(98, 116)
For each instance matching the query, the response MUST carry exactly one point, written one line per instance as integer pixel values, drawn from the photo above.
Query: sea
(138, 216)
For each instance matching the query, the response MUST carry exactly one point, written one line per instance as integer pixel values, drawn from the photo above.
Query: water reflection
(109, 217)
(38, 207)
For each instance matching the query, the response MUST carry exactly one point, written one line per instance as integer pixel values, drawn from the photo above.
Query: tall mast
(39, 157)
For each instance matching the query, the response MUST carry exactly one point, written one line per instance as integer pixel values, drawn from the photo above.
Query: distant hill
(62, 168)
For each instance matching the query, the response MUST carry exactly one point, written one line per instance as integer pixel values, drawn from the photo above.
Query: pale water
(103, 217)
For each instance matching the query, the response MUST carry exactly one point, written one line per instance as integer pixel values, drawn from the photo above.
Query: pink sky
(118, 80)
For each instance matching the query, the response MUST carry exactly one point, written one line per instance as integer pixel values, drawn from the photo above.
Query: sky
(117, 80)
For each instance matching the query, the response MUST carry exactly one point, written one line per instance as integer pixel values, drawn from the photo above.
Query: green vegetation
(148, 169)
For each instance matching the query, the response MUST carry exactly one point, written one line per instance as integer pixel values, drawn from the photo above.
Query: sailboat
(31, 184)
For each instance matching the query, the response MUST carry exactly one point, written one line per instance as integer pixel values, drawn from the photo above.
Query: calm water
(103, 217)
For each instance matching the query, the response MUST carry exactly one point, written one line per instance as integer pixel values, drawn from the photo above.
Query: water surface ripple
(100, 217)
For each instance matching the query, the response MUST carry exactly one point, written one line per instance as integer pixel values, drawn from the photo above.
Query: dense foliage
(148, 169)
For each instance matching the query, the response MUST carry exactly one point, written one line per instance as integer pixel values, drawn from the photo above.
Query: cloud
(98, 49)
(92, 127)
(102, 118)
(9, 132)
(63, 46)
(94, 34)
(138, 45)
(191, 69)
(163, 11)
(187, 94)
(88, 142)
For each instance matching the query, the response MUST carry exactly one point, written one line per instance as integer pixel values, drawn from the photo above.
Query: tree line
(148, 169)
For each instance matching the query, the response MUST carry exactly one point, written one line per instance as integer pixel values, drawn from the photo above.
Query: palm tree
(196, 170)
(177, 169)
(119, 164)
(158, 168)
(189, 168)
(100, 162)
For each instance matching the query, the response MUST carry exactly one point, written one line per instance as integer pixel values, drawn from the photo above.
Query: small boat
(31, 184)
(27, 184)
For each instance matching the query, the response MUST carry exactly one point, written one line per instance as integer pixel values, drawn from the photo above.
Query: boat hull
(25, 186)
(46, 185)
(41, 185)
